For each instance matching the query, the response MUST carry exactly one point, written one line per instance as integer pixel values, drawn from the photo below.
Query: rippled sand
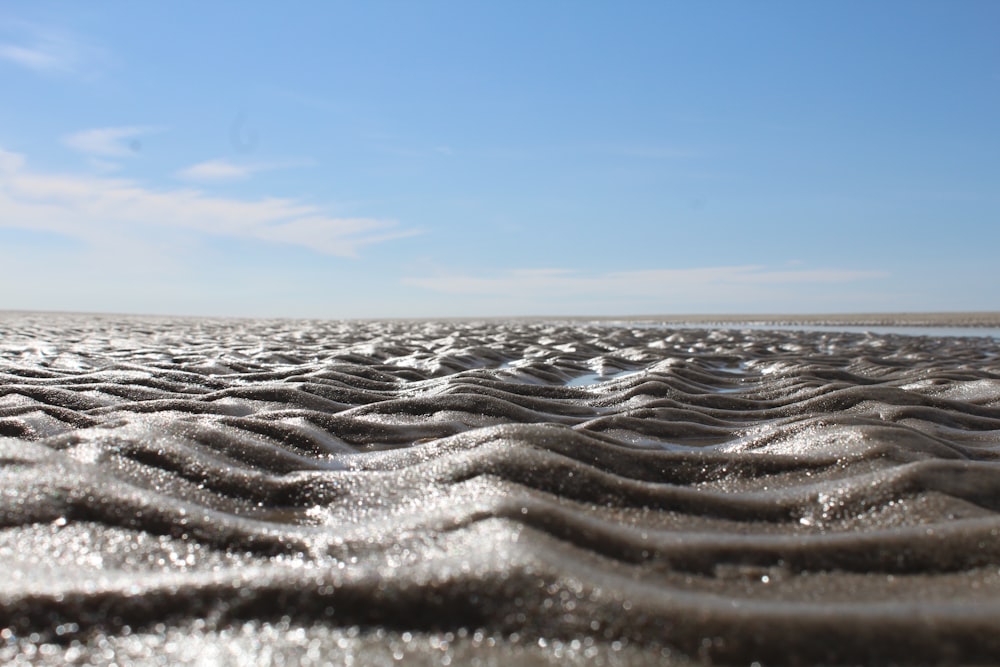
(245, 492)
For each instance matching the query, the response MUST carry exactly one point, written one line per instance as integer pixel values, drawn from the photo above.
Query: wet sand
(178, 490)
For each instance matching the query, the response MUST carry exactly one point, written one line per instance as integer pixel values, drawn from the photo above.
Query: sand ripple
(227, 491)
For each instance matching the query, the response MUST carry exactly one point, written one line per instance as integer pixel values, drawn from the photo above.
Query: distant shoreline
(984, 319)
(958, 319)
(910, 319)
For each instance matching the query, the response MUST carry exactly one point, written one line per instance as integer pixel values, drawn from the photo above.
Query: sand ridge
(491, 491)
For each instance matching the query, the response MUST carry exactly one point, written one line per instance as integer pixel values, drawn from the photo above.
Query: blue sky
(512, 158)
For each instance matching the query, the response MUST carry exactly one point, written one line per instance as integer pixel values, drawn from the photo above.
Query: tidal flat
(534, 491)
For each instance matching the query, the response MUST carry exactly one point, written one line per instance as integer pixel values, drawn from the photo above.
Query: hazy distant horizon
(952, 319)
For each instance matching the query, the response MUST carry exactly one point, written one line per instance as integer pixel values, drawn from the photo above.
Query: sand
(185, 491)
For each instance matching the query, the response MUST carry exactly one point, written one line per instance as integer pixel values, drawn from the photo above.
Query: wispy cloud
(32, 58)
(10, 162)
(701, 283)
(100, 209)
(103, 166)
(340, 236)
(47, 50)
(110, 141)
(221, 170)
(216, 170)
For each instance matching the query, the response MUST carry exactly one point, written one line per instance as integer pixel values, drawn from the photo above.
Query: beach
(647, 490)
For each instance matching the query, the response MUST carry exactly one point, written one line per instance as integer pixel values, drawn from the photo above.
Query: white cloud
(110, 141)
(10, 162)
(220, 170)
(47, 50)
(103, 166)
(32, 58)
(101, 210)
(318, 233)
(215, 170)
(702, 283)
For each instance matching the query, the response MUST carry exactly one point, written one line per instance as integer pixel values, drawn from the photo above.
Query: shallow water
(244, 492)
(878, 330)
(935, 332)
